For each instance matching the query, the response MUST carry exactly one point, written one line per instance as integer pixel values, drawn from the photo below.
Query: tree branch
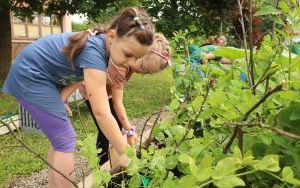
(35, 153)
(143, 130)
(266, 126)
(148, 141)
(245, 117)
(245, 44)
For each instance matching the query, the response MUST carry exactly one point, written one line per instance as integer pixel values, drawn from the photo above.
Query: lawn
(143, 95)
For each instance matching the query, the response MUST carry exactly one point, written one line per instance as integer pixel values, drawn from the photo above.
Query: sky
(78, 18)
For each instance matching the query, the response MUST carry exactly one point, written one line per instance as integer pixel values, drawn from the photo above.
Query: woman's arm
(117, 97)
(67, 91)
(95, 84)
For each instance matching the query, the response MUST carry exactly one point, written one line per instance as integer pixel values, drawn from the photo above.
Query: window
(34, 19)
(36, 26)
(46, 20)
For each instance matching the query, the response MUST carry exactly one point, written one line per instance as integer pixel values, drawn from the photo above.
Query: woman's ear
(111, 35)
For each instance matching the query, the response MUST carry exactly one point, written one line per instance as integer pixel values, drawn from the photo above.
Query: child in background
(203, 54)
(64, 61)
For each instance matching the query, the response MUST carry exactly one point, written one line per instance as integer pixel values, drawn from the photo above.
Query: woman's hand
(124, 160)
(131, 140)
(68, 109)
(82, 91)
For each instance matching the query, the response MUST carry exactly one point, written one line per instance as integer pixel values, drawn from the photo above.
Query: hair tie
(137, 19)
(92, 33)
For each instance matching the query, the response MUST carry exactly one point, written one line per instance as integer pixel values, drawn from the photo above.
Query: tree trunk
(5, 43)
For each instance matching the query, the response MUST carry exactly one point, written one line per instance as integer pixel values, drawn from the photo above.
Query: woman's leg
(63, 139)
(51, 182)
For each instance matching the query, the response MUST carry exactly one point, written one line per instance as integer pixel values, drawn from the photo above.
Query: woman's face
(149, 64)
(126, 49)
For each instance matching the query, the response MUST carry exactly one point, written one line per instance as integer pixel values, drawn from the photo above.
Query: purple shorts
(59, 131)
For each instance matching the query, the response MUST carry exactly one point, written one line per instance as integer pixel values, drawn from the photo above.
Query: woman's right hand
(82, 91)
(124, 161)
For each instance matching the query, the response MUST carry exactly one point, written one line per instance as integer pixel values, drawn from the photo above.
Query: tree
(202, 17)
(26, 8)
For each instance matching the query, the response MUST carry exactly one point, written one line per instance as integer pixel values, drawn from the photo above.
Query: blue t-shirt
(41, 70)
(197, 53)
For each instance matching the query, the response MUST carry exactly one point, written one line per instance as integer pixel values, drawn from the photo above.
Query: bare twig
(263, 99)
(251, 62)
(245, 117)
(143, 130)
(274, 22)
(263, 76)
(280, 131)
(245, 44)
(11, 146)
(148, 141)
(190, 124)
(266, 126)
(36, 154)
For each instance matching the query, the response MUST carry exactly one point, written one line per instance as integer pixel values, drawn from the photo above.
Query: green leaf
(267, 10)
(193, 167)
(225, 167)
(205, 168)
(289, 118)
(171, 162)
(196, 150)
(204, 174)
(229, 182)
(288, 176)
(237, 153)
(184, 158)
(230, 52)
(175, 104)
(169, 183)
(187, 181)
(196, 104)
(283, 6)
(178, 131)
(135, 181)
(269, 163)
(105, 176)
(130, 152)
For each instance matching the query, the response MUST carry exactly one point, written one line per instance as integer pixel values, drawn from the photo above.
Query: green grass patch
(145, 94)
(142, 96)
(8, 104)
(17, 161)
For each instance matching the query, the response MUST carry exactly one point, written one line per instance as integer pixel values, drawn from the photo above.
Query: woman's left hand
(132, 139)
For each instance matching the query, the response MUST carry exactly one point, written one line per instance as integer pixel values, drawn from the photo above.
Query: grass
(142, 96)
(146, 94)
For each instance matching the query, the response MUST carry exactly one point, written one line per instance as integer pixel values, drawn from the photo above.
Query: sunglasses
(143, 69)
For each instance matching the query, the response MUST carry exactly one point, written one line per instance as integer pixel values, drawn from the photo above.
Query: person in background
(204, 53)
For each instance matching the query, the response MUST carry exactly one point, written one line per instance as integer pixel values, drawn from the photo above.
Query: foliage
(80, 26)
(198, 146)
(202, 17)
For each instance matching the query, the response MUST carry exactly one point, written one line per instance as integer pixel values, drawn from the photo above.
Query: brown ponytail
(125, 24)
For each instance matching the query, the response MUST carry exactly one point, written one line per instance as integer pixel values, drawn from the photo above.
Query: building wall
(17, 46)
(26, 31)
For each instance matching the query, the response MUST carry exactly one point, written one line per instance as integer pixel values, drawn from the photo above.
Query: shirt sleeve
(93, 55)
(117, 76)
